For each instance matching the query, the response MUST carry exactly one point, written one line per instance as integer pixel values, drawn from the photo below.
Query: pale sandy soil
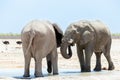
(12, 64)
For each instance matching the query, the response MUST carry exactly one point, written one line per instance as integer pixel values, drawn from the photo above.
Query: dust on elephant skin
(39, 40)
(90, 36)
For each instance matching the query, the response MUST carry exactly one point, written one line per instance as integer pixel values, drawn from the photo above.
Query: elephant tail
(31, 34)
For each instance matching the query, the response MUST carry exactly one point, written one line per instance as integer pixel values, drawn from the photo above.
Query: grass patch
(9, 34)
(116, 34)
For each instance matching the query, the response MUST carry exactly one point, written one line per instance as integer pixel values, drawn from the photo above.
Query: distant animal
(19, 42)
(6, 42)
(40, 39)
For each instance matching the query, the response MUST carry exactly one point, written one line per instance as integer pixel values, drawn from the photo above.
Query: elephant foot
(83, 69)
(55, 73)
(86, 70)
(38, 75)
(111, 67)
(97, 69)
(49, 69)
(26, 75)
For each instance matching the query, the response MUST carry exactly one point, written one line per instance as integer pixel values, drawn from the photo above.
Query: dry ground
(11, 57)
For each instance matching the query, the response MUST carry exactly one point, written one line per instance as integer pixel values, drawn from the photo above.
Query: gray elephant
(40, 39)
(89, 37)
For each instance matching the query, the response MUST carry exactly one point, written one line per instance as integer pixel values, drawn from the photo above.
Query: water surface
(66, 74)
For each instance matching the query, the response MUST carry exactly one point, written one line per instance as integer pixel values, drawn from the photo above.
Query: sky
(15, 14)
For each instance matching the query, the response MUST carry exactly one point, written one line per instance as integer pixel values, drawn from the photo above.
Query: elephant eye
(64, 40)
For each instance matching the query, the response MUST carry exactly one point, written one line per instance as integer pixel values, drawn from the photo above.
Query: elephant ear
(58, 33)
(88, 34)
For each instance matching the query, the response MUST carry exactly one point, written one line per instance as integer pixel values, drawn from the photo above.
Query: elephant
(40, 39)
(89, 36)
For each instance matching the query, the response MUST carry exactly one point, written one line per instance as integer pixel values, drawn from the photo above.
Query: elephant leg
(81, 58)
(88, 54)
(82, 61)
(38, 66)
(54, 58)
(38, 69)
(98, 61)
(49, 63)
(27, 65)
(108, 57)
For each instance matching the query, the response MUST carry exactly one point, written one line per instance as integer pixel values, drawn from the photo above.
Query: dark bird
(6, 42)
(19, 42)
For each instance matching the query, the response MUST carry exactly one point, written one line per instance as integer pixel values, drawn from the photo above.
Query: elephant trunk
(64, 53)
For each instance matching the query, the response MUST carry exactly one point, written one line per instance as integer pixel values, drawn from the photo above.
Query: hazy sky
(15, 14)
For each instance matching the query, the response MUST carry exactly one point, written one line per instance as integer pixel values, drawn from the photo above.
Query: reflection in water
(63, 74)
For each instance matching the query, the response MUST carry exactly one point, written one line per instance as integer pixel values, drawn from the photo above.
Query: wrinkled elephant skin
(40, 39)
(90, 36)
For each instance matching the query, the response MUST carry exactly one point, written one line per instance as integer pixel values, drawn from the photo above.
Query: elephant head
(79, 32)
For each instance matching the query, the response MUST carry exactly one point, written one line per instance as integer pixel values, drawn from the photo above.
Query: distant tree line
(116, 36)
(17, 36)
(9, 36)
